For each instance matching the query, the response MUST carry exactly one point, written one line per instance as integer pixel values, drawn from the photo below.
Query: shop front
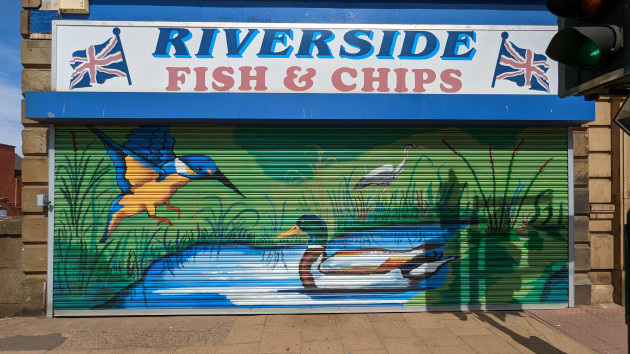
(306, 160)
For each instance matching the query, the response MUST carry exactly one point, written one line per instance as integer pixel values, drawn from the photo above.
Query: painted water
(225, 276)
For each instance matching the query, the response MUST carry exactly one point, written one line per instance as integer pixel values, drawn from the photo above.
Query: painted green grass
(520, 244)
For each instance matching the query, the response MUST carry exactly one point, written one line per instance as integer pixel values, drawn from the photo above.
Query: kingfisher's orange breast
(145, 187)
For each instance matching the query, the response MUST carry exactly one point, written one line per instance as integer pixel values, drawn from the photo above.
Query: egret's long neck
(404, 161)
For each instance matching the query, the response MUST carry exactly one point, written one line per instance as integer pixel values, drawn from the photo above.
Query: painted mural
(152, 217)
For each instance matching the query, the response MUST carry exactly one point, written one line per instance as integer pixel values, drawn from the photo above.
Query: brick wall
(11, 275)
(9, 184)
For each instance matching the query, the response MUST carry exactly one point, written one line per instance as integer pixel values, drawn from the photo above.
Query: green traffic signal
(588, 54)
(588, 45)
(585, 47)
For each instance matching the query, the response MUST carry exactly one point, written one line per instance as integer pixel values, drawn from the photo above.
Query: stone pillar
(582, 251)
(36, 59)
(600, 241)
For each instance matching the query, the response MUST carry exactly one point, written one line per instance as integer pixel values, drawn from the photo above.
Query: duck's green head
(312, 225)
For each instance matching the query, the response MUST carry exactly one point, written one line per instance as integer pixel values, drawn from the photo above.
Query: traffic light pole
(622, 119)
(626, 266)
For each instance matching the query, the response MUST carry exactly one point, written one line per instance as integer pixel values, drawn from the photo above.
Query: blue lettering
(172, 37)
(364, 46)
(236, 49)
(454, 41)
(271, 38)
(387, 45)
(411, 41)
(315, 38)
(207, 42)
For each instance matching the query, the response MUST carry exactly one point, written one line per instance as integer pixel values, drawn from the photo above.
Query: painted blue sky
(10, 74)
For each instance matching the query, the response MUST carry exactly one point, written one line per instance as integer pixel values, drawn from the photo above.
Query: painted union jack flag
(99, 63)
(521, 66)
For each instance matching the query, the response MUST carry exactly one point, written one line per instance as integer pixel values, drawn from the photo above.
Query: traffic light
(590, 46)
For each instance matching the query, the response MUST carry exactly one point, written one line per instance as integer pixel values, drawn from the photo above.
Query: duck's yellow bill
(293, 231)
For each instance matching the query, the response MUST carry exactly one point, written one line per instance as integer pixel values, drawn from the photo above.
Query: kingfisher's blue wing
(122, 157)
(153, 142)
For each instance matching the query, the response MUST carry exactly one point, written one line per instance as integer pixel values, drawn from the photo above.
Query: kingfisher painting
(148, 173)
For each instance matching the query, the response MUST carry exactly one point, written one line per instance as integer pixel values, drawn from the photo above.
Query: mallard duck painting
(377, 266)
(341, 267)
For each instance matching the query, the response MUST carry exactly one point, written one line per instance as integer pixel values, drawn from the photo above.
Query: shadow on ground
(24, 343)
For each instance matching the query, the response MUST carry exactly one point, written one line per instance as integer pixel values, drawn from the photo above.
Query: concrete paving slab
(537, 347)
(396, 329)
(249, 320)
(280, 342)
(244, 334)
(241, 348)
(556, 338)
(453, 350)
(489, 344)
(321, 347)
(385, 317)
(283, 323)
(154, 351)
(439, 337)
(196, 350)
(516, 334)
(317, 320)
(452, 315)
(422, 320)
(361, 340)
(470, 327)
(353, 321)
(405, 345)
(312, 334)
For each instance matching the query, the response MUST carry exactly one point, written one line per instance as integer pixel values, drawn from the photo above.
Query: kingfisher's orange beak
(419, 147)
(293, 231)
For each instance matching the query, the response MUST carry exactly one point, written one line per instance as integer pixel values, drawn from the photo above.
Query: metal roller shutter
(189, 217)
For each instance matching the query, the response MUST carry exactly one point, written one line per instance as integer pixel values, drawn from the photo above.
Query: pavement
(599, 327)
(578, 330)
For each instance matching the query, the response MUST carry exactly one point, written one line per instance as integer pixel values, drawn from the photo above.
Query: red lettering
(338, 82)
(451, 77)
(247, 77)
(422, 77)
(200, 72)
(224, 82)
(306, 80)
(175, 78)
(369, 79)
(401, 84)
